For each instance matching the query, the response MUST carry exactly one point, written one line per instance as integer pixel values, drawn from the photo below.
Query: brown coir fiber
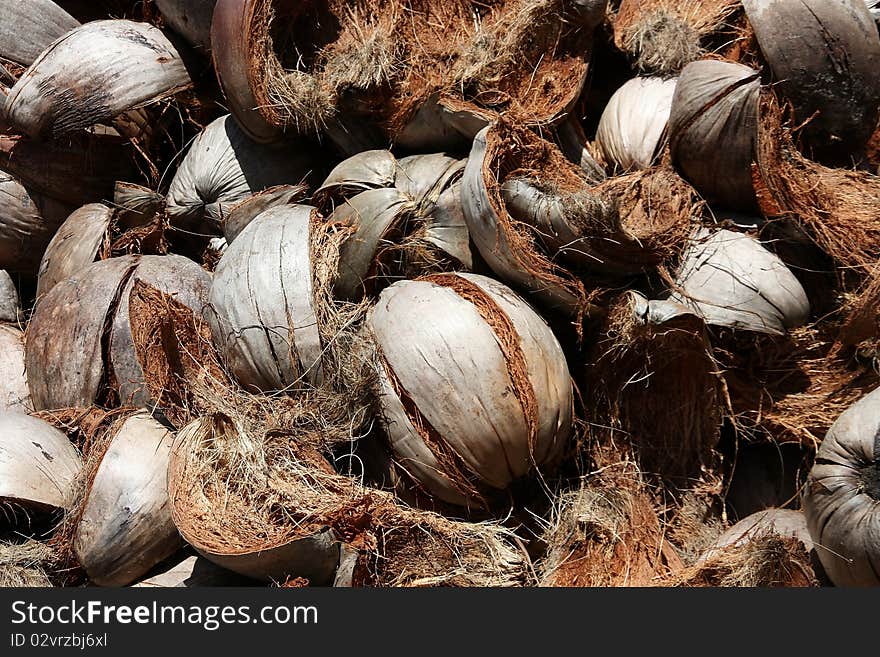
(656, 387)
(25, 564)
(238, 489)
(765, 561)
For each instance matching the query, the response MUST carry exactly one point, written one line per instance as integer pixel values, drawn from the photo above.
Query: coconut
(730, 280)
(406, 215)
(841, 494)
(654, 385)
(29, 27)
(451, 424)
(664, 36)
(27, 222)
(38, 464)
(224, 167)
(632, 129)
(124, 525)
(713, 129)
(93, 74)
(192, 571)
(264, 320)
(9, 305)
(285, 511)
(191, 19)
(839, 95)
(14, 393)
(79, 346)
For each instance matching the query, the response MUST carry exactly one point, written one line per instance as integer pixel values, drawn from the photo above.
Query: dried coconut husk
(14, 393)
(27, 222)
(577, 148)
(664, 36)
(25, 564)
(784, 523)
(765, 561)
(655, 385)
(282, 494)
(607, 533)
(406, 217)
(243, 213)
(92, 74)
(191, 19)
(830, 73)
(192, 571)
(10, 307)
(29, 27)
(352, 67)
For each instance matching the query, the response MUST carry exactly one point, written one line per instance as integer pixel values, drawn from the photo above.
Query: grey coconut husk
(14, 393)
(841, 494)
(224, 167)
(655, 385)
(29, 27)
(406, 215)
(664, 36)
(191, 19)
(537, 221)
(27, 222)
(39, 464)
(119, 65)
(79, 348)
(831, 75)
(122, 515)
(10, 308)
(785, 523)
(385, 63)
(448, 413)
(191, 571)
(576, 147)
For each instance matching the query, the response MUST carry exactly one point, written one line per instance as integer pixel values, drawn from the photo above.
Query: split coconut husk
(243, 213)
(93, 74)
(576, 147)
(223, 167)
(79, 348)
(192, 571)
(285, 511)
(27, 222)
(14, 393)
(840, 499)
(632, 129)
(30, 27)
(191, 19)
(38, 465)
(361, 69)
(830, 73)
(454, 426)
(664, 36)
(536, 220)
(25, 564)
(730, 280)
(655, 386)
(123, 518)
(406, 215)
(781, 522)
(10, 308)
(605, 533)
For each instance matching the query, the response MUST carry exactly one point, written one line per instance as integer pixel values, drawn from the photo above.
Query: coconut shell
(713, 128)
(782, 522)
(77, 244)
(453, 347)
(632, 129)
(223, 167)
(730, 280)
(191, 19)
(14, 393)
(193, 571)
(27, 222)
(9, 304)
(29, 27)
(264, 320)
(125, 527)
(831, 70)
(119, 65)
(841, 495)
(250, 208)
(38, 464)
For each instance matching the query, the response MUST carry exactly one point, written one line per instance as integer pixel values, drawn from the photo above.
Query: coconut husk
(664, 36)
(108, 55)
(191, 19)
(25, 564)
(10, 307)
(30, 27)
(655, 386)
(577, 148)
(237, 219)
(607, 533)
(14, 393)
(192, 571)
(282, 492)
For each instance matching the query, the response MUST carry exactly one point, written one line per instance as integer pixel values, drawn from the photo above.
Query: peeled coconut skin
(841, 499)
(29, 27)
(263, 320)
(633, 124)
(38, 464)
(730, 280)
(474, 384)
(126, 527)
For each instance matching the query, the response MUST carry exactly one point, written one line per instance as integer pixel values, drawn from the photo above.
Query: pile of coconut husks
(440, 293)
